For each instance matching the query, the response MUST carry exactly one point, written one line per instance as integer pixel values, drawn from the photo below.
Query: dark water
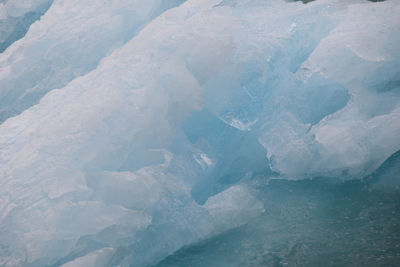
(318, 222)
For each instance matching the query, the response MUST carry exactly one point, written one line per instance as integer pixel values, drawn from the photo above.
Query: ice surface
(16, 16)
(133, 128)
(68, 41)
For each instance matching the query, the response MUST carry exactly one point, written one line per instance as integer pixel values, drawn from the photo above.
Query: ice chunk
(99, 258)
(358, 123)
(236, 205)
(131, 105)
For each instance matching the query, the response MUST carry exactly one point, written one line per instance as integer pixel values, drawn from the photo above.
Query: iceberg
(133, 130)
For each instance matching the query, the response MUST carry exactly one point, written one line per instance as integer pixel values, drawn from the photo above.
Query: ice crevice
(16, 18)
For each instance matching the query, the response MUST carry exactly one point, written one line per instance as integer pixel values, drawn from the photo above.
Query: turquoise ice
(133, 130)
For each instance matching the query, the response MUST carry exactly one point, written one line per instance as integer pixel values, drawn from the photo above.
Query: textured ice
(16, 16)
(68, 41)
(133, 128)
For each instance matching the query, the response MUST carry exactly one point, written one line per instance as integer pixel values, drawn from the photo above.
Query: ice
(97, 258)
(68, 41)
(365, 61)
(16, 16)
(133, 128)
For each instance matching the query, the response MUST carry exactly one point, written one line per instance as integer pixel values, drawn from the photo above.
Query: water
(318, 222)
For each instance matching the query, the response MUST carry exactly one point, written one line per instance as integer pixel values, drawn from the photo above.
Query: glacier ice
(16, 17)
(130, 129)
(50, 55)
